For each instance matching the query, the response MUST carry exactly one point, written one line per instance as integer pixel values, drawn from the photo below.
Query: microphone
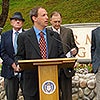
(69, 54)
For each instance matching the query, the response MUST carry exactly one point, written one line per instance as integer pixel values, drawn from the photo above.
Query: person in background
(70, 50)
(29, 47)
(10, 71)
(95, 57)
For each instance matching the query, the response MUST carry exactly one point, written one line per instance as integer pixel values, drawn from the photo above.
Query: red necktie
(42, 46)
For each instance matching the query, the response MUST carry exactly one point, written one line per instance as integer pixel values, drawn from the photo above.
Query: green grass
(73, 11)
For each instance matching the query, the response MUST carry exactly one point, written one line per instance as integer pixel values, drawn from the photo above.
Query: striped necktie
(42, 45)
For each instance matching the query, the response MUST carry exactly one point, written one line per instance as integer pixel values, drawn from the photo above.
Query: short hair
(55, 13)
(34, 12)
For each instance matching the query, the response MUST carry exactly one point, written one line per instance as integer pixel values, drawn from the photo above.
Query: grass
(73, 11)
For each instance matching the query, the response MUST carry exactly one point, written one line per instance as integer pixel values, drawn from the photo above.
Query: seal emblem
(48, 87)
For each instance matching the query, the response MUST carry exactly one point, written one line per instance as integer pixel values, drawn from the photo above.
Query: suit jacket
(95, 49)
(67, 38)
(7, 54)
(28, 48)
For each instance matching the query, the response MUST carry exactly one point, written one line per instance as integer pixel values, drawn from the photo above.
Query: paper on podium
(68, 55)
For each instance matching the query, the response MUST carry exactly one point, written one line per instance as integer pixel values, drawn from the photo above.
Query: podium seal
(48, 87)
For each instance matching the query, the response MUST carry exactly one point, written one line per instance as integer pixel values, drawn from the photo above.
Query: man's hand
(73, 51)
(16, 68)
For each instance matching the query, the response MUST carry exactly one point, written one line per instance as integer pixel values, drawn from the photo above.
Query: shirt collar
(37, 31)
(18, 31)
(58, 31)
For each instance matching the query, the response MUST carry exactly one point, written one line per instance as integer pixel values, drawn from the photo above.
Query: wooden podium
(48, 74)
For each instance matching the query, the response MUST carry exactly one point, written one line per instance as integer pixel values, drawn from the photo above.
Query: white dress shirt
(14, 34)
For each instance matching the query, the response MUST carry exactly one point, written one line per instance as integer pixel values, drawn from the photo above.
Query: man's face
(41, 21)
(16, 24)
(56, 21)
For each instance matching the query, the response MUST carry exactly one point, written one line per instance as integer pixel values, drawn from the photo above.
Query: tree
(4, 13)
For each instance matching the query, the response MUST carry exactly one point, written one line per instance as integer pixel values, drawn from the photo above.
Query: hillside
(73, 11)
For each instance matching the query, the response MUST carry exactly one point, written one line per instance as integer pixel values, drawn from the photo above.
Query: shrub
(84, 66)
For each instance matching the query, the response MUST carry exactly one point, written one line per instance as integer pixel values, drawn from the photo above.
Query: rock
(75, 90)
(91, 95)
(81, 94)
(91, 84)
(83, 83)
(75, 97)
(87, 91)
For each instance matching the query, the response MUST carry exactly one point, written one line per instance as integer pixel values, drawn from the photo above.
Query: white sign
(82, 35)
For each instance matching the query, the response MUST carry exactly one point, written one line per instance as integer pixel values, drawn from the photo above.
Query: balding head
(56, 19)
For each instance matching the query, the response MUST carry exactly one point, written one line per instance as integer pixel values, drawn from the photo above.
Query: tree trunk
(4, 13)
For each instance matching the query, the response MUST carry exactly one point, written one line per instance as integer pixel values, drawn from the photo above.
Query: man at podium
(37, 43)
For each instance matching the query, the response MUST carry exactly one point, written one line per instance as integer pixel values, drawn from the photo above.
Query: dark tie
(15, 42)
(42, 45)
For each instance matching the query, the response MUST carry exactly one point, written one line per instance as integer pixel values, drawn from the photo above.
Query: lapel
(33, 40)
(51, 28)
(49, 41)
(62, 32)
(10, 40)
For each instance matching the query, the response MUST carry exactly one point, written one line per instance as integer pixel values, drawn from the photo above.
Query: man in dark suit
(29, 48)
(8, 51)
(95, 57)
(70, 49)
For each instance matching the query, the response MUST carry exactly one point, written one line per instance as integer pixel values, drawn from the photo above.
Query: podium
(48, 74)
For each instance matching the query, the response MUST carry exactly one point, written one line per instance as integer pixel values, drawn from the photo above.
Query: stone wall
(2, 92)
(83, 86)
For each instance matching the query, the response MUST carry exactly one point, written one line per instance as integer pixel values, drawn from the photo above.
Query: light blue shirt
(37, 31)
